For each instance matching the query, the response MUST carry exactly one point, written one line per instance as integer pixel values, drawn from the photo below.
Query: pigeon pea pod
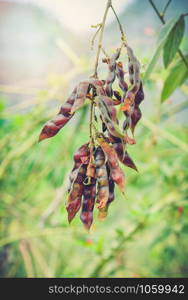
(134, 77)
(104, 211)
(112, 127)
(81, 155)
(123, 155)
(102, 178)
(109, 105)
(135, 117)
(112, 72)
(120, 75)
(82, 91)
(52, 127)
(89, 194)
(75, 196)
(112, 158)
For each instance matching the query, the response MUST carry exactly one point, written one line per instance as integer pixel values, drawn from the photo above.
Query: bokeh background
(45, 50)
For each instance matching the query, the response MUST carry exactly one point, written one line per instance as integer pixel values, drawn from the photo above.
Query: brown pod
(79, 156)
(115, 170)
(89, 194)
(121, 81)
(123, 155)
(135, 117)
(140, 95)
(75, 196)
(109, 104)
(91, 166)
(134, 76)
(52, 127)
(109, 117)
(102, 178)
(104, 211)
(82, 92)
(112, 72)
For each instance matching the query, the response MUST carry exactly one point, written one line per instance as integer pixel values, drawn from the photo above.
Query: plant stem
(165, 8)
(108, 5)
(94, 37)
(123, 36)
(161, 17)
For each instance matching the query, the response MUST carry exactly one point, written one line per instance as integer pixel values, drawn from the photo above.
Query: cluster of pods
(97, 164)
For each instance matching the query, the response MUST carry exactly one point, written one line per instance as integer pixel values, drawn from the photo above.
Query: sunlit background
(45, 50)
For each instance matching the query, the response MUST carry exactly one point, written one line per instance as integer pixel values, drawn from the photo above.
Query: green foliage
(173, 41)
(176, 77)
(162, 38)
(169, 40)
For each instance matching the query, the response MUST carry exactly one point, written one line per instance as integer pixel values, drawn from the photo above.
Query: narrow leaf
(178, 74)
(161, 41)
(173, 41)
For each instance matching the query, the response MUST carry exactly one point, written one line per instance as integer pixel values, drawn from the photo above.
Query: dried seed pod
(140, 95)
(91, 166)
(134, 77)
(80, 155)
(82, 91)
(135, 117)
(52, 127)
(109, 104)
(102, 178)
(89, 194)
(128, 102)
(104, 211)
(136, 113)
(112, 74)
(82, 152)
(97, 86)
(115, 170)
(121, 81)
(133, 67)
(75, 196)
(123, 155)
(107, 119)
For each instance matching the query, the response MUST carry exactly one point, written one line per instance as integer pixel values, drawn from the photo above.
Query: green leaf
(167, 27)
(173, 41)
(163, 35)
(178, 74)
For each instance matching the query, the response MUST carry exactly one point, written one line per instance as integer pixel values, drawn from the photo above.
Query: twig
(161, 17)
(123, 36)
(165, 8)
(104, 52)
(101, 38)
(94, 37)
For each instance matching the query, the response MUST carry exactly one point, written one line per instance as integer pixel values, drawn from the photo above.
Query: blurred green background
(41, 59)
